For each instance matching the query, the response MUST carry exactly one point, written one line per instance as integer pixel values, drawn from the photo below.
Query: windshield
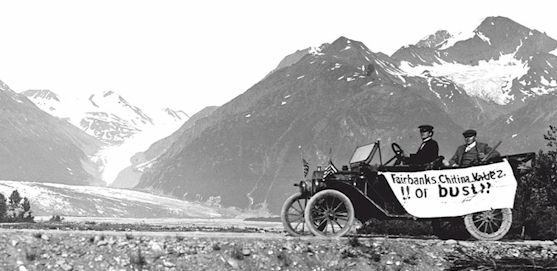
(363, 153)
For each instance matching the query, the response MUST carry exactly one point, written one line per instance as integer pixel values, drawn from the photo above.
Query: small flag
(306, 167)
(330, 169)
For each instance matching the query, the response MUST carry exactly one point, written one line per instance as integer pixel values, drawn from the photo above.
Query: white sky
(191, 54)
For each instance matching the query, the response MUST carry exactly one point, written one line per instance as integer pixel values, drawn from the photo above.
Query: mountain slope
(247, 150)
(38, 147)
(129, 177)
(522, 130)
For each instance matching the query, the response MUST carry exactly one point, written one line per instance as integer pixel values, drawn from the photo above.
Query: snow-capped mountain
(36, 146)
(500, 61)
(125, 128)
(105, 115)
(341, 96)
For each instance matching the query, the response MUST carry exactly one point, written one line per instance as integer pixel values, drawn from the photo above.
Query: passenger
(473, 152)
(428, 150)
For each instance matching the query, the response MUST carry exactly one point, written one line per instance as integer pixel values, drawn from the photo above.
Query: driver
(428, 150)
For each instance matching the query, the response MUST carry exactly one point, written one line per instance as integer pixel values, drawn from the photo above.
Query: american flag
(330, 169)
(306, 167)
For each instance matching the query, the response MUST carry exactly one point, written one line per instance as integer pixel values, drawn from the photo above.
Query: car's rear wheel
(329, 213)
(489, 225)
(292, 215)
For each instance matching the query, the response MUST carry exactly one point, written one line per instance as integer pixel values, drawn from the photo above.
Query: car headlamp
(304, 188)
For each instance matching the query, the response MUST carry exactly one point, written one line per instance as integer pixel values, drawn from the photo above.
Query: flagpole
(305, 164)
(301, 156)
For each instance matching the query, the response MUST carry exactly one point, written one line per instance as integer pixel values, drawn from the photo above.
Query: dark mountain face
(38, 147)
(247, 150)
(522, 130)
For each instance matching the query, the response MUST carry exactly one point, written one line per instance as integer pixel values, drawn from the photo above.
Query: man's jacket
(472, 157)
(426, 154)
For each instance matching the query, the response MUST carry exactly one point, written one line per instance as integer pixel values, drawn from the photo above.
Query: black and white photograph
(278, 135)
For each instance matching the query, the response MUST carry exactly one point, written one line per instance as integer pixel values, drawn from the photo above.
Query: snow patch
(509, 119)
(541, 90)
(346, 48)
(490, 80)
(456, 38)
(283, 103)
(316, 51)
(483, 37)
(300, 77)
(337, 65)
(545, 82)
(514, 135)
(248, 115)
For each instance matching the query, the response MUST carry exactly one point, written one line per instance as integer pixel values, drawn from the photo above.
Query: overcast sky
(192, 54)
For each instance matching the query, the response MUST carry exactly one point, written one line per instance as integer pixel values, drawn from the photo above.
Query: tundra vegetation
(15, 208)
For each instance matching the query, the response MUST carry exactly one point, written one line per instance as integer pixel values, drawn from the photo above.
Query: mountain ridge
(37, 146)
(344, 95)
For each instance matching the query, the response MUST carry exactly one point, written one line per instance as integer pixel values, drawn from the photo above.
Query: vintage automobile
(478, 198)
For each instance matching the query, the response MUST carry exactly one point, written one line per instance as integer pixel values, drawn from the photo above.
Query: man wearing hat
(428, 150)
(473, 152)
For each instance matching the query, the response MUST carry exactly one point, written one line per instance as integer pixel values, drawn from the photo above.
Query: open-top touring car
(480, 197)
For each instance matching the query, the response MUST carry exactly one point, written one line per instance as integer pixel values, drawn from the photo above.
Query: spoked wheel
(489, 225)
(292, 215)
(329, 213)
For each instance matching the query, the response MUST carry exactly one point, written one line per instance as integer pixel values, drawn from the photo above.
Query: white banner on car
(454, 192)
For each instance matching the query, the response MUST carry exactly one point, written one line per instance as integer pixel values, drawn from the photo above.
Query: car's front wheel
(329, 213)
(292, 215)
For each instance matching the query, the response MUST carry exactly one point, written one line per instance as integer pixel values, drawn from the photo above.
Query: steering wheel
(399, 153)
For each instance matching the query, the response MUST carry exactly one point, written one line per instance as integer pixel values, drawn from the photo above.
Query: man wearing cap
(473, 152)
(428, 150)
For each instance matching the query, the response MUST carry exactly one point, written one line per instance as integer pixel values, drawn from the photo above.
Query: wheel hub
(488, 216)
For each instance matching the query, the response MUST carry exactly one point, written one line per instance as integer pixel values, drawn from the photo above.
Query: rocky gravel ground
(67, 249)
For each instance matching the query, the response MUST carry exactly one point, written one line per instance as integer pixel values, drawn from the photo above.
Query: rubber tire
(284, 218)
(507, 219)
(311, 205)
